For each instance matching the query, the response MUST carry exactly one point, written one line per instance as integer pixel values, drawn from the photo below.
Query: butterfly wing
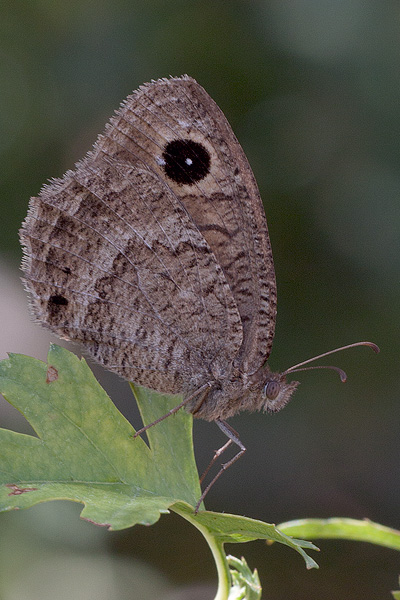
(220, 195)
(120, 256)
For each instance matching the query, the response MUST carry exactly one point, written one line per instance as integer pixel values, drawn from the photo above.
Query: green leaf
(226, 528)
(85, 451)
(245, 584)
(345, 529)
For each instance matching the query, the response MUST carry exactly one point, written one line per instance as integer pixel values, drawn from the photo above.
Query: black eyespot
(272, 389)
(58, 300)
(186, 161)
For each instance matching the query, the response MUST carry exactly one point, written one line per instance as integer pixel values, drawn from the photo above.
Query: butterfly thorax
(227, 396)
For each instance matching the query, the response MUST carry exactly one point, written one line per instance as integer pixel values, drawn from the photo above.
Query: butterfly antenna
(342, 374)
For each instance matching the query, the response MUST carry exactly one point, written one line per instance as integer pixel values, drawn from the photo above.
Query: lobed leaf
(85, 451)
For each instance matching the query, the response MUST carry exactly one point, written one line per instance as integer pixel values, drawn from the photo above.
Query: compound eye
(272, 389)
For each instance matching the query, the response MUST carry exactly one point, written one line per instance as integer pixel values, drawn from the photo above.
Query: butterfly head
(277, 391)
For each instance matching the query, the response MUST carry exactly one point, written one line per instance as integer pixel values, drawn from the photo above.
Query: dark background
(312, 91)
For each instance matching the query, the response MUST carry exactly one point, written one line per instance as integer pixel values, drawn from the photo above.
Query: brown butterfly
(154, 254)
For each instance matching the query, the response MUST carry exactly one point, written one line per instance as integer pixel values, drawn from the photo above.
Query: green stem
(345, 529)
(217, 549)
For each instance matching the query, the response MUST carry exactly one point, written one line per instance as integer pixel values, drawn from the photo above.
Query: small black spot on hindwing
(59, 300)
(56, 307)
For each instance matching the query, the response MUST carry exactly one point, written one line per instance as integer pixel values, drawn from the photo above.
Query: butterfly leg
(233, 438)
(200, 390)
(217, 453)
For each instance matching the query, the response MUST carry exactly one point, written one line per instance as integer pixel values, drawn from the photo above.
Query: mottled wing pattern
(114, 261)
(225, 204)
(156, 274)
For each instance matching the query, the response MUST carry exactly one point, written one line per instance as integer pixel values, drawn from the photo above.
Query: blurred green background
(312, 90)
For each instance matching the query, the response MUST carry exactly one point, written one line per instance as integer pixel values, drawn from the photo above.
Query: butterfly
(154, 254)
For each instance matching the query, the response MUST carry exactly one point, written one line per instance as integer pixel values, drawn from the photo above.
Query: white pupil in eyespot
(188, 161)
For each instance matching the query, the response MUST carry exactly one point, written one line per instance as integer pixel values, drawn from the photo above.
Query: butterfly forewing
(224, 204)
